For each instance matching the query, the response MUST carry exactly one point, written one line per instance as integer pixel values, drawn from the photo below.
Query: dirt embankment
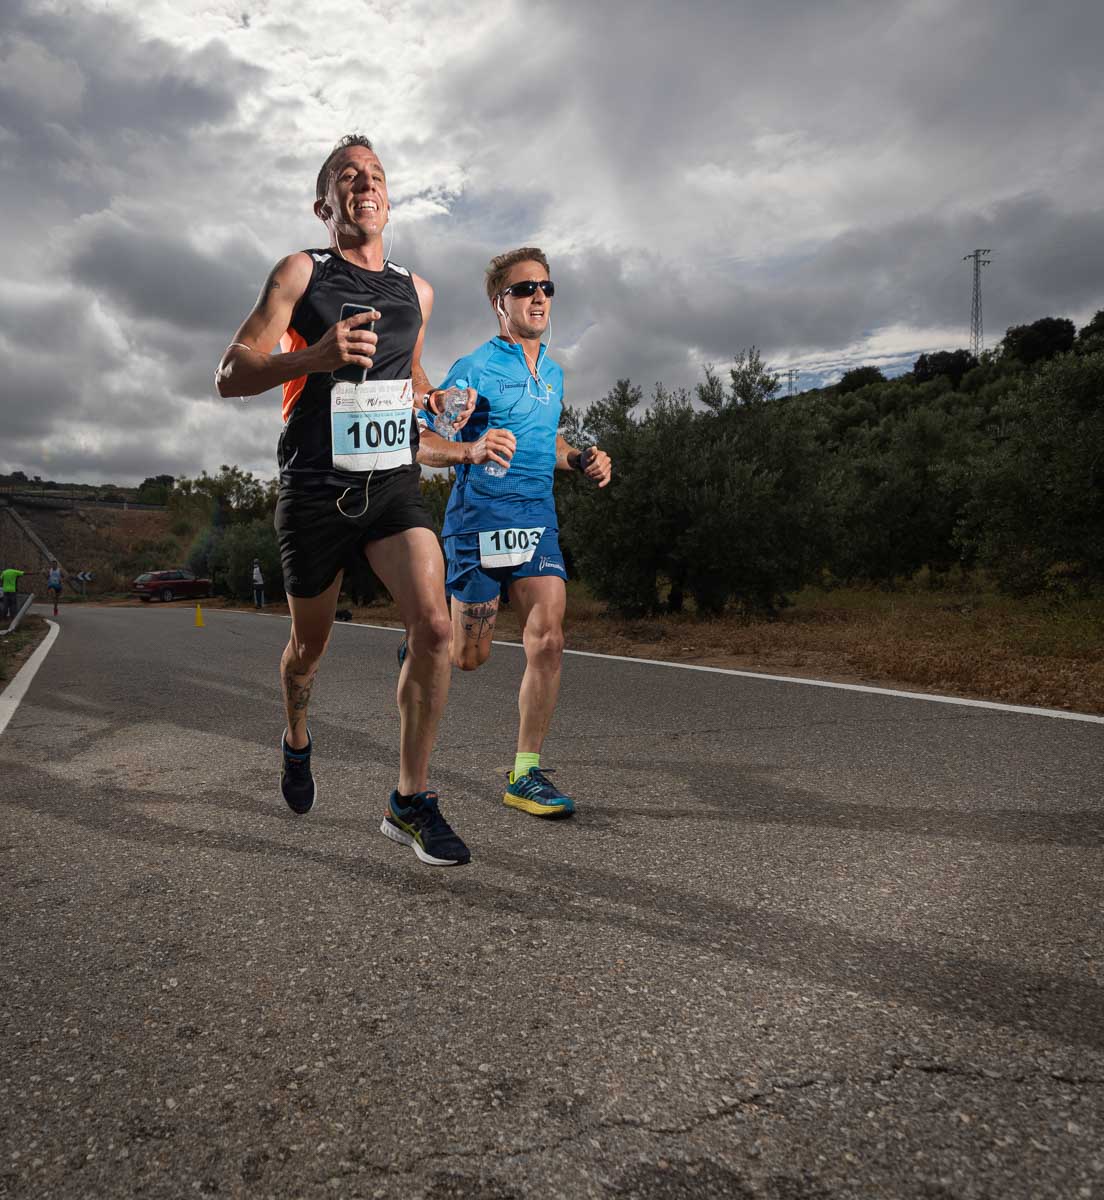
(114, 544)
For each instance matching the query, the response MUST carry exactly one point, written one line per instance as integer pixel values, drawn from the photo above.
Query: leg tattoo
(478, 620)
(297, 695)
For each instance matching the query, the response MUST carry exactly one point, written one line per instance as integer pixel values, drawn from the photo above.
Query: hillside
(115, 544)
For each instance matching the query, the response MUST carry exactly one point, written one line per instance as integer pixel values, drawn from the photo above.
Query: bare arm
(566, 454)
(436, 451)
(496, 445)
(597, 468)
(417, 372)
(248, 367)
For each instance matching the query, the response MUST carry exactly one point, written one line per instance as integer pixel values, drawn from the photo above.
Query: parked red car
(170, 585)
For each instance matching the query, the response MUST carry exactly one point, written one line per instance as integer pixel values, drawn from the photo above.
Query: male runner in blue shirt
(500, 530)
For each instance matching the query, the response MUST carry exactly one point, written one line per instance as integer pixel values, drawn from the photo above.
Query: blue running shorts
(471, 582)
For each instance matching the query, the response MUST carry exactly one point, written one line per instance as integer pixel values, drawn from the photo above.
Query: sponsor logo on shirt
(321, 258)
(550, 564)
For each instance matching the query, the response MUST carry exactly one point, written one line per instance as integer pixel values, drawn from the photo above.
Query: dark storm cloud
(38, 395)
(126, 459)
(106, 138)
(165, 277)
(89, 107)
(900, 147)
(44, 324)
(797, 176)
(110, 81)
(635, 316)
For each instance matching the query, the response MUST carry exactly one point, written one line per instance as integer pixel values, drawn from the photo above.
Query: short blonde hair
(500, 266)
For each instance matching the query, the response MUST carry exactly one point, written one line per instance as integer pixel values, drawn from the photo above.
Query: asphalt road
(798, 943)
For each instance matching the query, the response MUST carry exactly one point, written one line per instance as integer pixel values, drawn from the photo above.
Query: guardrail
(49, 500)
(18, 617)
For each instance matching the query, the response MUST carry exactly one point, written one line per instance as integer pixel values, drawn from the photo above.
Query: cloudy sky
(804, 176)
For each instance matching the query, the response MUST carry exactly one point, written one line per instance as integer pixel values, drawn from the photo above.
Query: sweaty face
(357, 193)
(528, 315)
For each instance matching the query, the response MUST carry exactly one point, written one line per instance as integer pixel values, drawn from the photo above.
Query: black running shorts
(317, 541)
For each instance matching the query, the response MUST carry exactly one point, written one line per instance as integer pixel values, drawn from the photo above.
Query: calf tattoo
(478, 620)
(298, 694)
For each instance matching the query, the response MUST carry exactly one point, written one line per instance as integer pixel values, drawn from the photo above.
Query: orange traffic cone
(199, 617)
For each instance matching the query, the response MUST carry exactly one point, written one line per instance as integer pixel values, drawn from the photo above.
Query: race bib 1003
(508, 547)
(371, 424)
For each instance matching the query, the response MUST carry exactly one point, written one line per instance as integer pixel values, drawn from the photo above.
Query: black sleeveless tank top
(305, 449)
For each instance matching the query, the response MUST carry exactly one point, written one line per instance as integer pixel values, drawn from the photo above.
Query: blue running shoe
(422, 827)
(400, 654)
(537, 795)
(296, 780)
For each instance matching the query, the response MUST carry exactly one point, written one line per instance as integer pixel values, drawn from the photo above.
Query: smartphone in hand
(352, 373)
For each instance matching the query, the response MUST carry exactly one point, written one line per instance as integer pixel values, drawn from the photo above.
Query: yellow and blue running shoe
(537, 795)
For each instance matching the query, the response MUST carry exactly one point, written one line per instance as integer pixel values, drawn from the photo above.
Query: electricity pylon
(977, 337)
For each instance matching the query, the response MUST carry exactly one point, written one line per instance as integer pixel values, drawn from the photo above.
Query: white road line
(1024, 709)
(14, 692)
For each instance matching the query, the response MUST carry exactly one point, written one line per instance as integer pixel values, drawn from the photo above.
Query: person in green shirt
(8, 578)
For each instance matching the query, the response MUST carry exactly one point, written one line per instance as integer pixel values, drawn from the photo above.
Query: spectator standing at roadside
(258, 584)
(9, 578)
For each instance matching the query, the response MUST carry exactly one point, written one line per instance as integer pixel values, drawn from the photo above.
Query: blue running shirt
(507, 397)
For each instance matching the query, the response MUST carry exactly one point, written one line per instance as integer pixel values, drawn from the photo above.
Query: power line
(977, 336)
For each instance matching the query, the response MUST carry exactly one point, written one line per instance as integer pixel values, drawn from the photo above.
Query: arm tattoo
(478, 620)
(271, 285)
(434, 456)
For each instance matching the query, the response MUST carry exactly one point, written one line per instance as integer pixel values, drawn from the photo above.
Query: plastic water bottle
(493, 469)
(455, 399)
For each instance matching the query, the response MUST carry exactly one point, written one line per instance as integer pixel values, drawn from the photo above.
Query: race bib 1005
(371, 424)
(508, 547)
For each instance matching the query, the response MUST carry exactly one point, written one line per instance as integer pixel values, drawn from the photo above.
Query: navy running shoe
(400, 654)
(537, 795)
(296, 780)
(422, 827)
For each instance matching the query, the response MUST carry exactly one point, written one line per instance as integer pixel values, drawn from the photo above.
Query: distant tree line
(746, 495)
(734, 496)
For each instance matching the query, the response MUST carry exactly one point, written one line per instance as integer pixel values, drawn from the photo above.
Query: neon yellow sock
(523, 760)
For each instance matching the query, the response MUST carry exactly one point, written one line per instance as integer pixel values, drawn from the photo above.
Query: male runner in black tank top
(348, 480)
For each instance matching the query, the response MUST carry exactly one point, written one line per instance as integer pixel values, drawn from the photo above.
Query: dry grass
(16, 648)
(978, 645)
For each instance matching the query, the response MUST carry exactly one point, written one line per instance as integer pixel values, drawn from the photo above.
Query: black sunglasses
(529, 286)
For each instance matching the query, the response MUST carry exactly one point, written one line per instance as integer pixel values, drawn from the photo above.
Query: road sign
(85, 576)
